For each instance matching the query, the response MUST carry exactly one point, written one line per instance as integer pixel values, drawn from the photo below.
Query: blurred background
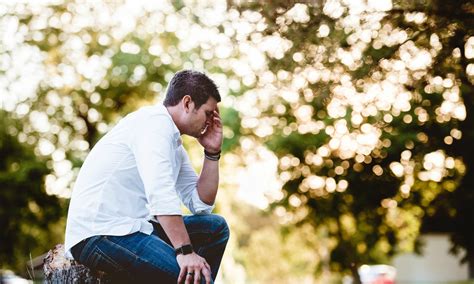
(349, 127)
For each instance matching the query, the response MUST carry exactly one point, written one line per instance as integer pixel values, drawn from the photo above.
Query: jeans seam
(88, 246)
(114, 263)
(121, 247)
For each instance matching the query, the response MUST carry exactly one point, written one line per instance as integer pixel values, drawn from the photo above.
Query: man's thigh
(137, 256)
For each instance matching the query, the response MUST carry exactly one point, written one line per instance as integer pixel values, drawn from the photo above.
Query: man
(125, 214)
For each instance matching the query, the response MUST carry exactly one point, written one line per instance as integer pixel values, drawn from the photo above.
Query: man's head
(191, 100)
(194, 84)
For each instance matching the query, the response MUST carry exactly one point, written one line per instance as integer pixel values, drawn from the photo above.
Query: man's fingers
(197, 276)
(182, 274)
(207, 274)
(207, 265)
(189, 277)
(217, 120)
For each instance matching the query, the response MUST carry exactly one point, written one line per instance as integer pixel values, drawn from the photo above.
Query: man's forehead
(211, 104)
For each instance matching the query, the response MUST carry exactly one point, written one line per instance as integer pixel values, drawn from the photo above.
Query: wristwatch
(184, 250)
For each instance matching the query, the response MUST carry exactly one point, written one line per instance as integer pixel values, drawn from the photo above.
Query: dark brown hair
(193, 83)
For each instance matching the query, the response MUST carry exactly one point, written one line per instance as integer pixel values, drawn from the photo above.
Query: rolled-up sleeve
(154, 151)
(186, 186)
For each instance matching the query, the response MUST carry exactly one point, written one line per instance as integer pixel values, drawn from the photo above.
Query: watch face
(187, 249)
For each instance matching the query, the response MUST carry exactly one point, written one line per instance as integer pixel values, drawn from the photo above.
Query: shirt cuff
(198, 207)
(165, 209)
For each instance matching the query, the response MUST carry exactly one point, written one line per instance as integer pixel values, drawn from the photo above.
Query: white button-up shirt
(136, 171)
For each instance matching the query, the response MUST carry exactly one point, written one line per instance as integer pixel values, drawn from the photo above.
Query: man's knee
(209, 223)
(214, 223)
(220, 225)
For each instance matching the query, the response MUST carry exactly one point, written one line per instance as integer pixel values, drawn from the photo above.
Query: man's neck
(174, 112)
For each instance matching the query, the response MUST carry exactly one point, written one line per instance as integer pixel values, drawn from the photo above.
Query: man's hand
(192, 266)
(211, 140)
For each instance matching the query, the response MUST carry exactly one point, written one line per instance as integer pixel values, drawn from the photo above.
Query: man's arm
(174, 228)
(207, 186)
(209, 178)
(192, 265)
(155, 168)
(208, 181)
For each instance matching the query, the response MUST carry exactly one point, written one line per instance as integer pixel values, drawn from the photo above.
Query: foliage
(69, 72)
(269, 252)
(96, 68)
(27, 213)
(369, 110)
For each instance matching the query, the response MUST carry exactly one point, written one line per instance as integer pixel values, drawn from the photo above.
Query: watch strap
(212, 156)
(184, 250)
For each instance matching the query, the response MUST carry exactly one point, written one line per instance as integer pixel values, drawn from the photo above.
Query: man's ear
(187, 101)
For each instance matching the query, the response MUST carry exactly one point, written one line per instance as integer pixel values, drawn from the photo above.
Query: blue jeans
(145, 258)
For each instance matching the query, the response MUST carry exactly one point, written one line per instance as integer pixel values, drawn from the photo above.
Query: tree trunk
(58, 269)
(355, 274)
(470, 262)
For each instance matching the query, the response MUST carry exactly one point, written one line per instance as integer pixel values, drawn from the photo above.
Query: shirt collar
(176, 133)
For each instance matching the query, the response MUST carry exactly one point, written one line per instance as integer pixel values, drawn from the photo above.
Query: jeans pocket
(98, 260)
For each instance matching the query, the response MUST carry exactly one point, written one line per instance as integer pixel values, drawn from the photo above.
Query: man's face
(200, 119)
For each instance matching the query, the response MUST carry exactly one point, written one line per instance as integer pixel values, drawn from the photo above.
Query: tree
(69, 72)
(453, 22)
(27, 213)
(368, 108)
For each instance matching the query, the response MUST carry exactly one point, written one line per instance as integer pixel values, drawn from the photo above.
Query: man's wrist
(184, 249)
(212, 151)
(213, 156)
